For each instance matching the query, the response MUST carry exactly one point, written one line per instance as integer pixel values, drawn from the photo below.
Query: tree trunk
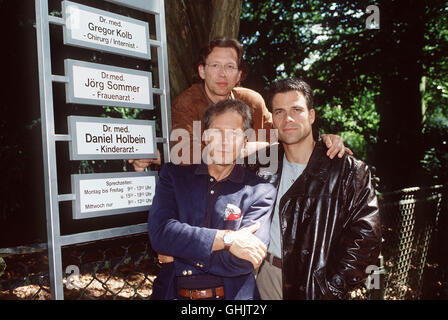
(400, 145)
(191, 24)
(225, 18)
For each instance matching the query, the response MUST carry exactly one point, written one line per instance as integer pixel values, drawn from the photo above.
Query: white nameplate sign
(92, 28)
(109, 138)
(99, 84)
(102, 194)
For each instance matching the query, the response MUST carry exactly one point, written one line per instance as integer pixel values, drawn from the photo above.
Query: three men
(219, 71)
(325, 227)
(210, 222)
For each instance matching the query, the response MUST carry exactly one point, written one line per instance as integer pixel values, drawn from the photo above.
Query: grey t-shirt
(291, 171)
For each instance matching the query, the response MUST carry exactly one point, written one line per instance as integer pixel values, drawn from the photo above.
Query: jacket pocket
(320, 277)
(232, 224)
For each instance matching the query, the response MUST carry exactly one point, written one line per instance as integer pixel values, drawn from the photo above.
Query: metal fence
(125, 268)
(410, 224)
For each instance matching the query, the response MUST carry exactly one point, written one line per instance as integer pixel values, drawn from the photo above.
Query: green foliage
(435, 160)
(326, 44)
(357, 124)
(365, 81)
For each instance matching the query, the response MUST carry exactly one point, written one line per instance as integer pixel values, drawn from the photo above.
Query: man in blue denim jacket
(210, 222)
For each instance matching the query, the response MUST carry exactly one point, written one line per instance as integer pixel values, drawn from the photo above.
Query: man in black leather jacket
(325, 228)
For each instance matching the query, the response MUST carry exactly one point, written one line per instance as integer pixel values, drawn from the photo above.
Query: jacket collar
(316, 169)
(236, 175)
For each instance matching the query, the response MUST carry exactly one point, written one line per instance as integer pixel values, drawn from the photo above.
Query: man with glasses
(219, 72)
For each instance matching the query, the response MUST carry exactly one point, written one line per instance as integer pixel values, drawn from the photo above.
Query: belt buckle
(203, 293)
(191, 293)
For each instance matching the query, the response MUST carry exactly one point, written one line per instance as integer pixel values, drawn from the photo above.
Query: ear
(312, 116)
(239, 76)
(272, 119)
(246, 140)
(205, 138)
(201, 71)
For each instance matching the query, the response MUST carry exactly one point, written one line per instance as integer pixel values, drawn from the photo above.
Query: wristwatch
(228, 239)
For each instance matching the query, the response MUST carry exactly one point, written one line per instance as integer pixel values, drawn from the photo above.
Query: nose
(227, 137)
(289, 118)
(221, 71)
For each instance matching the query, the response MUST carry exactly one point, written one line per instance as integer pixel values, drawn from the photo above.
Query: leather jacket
(330, 226)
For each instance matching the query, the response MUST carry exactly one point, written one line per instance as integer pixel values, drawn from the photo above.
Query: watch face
(227, 238)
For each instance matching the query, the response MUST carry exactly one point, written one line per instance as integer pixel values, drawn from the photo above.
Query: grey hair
(229, 105)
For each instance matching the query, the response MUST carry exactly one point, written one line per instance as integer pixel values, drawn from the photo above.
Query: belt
(217, 292)
(276, 262)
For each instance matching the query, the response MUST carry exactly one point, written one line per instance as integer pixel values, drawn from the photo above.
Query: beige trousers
(269, 282)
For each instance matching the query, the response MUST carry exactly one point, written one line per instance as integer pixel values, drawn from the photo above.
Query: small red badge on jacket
(232, 212)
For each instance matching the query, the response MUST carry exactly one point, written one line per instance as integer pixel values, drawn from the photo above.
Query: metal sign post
(94, 84)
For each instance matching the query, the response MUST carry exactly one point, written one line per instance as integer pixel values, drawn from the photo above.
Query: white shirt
(290, 172)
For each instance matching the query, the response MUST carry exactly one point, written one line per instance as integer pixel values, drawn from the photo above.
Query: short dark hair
(220, 42)
(291, 84)
(229, 105)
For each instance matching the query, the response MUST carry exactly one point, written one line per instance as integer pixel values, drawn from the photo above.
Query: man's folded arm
(223, 262)
(359, 245)
(169, 236)
(196, 246)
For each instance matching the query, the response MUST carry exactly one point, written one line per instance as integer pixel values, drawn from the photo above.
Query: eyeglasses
(228, 68)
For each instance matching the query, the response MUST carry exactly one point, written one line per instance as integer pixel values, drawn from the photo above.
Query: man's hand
(245, 246)
(141, 164)
(165, 259)
(335, 146)
(252, 147)
(248, 247)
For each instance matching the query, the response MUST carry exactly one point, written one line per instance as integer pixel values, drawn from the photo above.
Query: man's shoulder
(195, 88)
(259, 190)
(346, 163)
(247, 95)
(349, 166)
(192, 95)
(251, 178)
(178, 170)
(355, 164)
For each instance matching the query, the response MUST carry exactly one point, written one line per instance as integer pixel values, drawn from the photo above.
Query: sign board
(108, 138)
(103, 194)
(117, 35)
(92, 28)
(99, 84)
